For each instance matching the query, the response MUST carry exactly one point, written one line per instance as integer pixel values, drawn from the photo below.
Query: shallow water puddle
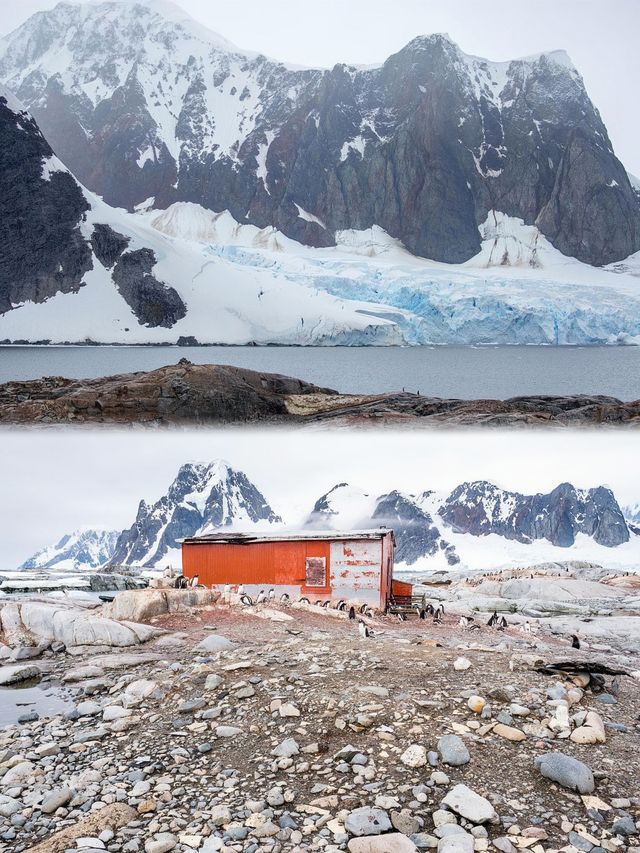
(46, 698)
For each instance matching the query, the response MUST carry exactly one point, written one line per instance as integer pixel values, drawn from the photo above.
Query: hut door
(316, 572)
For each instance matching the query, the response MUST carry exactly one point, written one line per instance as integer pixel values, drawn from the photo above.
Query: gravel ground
(171, 748)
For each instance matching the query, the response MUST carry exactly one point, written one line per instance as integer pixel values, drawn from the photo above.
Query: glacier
(245, 285)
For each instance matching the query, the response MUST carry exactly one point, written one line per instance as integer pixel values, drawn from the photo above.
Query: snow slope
(242, 284)
(226, 302)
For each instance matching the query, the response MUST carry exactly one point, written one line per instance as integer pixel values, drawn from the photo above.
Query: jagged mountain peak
(202, 498)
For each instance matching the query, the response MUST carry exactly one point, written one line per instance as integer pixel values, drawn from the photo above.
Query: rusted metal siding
(356, 570)
(402, 588)
(261, 563)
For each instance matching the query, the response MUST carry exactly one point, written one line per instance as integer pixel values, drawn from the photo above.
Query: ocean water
(497, 372)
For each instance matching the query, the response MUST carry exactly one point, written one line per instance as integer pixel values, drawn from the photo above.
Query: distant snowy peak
(80, 550)
(201, 499)
(632, 513)
(481, 508)
(342, 507)
(142, 102)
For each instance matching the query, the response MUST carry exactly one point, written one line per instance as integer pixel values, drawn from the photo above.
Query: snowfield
(242, 284)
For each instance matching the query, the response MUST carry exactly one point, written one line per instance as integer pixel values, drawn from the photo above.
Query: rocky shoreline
(281, 729)
(189, 394)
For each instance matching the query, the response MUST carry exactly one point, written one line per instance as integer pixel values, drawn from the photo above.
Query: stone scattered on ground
(251, 739)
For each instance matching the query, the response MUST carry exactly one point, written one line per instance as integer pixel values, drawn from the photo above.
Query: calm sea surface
(462, 372)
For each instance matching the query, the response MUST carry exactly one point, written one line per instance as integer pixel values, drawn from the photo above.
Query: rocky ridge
(200, 394)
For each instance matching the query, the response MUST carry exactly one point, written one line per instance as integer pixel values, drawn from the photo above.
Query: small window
(316, 571)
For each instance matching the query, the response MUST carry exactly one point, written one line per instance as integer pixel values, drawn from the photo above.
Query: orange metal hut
(325, 566)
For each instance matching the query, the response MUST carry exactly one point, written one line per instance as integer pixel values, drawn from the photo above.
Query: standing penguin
(362, 629)
(262, 597)
(272, 594)
(352, 613)
(575, 642)
(493, 619)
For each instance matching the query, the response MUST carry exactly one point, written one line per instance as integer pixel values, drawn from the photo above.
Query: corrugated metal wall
(262, 563)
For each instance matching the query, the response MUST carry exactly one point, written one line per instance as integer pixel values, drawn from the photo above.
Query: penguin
(437, 620)
(402, 617)
(503, 623)
(429, 609)
(246, 600)
(284, 598)
(352, 613)
(439, 611)
(493, 620)
(362, 629)
(304, 600)
(262, 597)
(575, 642)
(423, 613)
(272, 594)
(363, 609)
(326, 604)
(195, 580)
(341, 605)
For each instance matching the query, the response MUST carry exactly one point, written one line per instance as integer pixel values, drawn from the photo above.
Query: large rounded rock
(414, 756)
(367, 821)
(566, 771)
(453, 751)
(213, 643)
(456, 842)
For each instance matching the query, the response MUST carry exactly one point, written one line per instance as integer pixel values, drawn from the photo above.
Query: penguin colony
(498, 623)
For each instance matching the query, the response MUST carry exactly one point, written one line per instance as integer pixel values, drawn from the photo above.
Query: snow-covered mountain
(80, 550)
(439, 530)
(201, 499)
(481, 508)
(145, 106)
(477, 525)
(207, 258)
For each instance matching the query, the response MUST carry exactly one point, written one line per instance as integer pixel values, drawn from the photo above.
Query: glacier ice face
(432, 305)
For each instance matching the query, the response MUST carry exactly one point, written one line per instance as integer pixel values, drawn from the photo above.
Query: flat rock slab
(19, 672)
(394, 842)
(470, 805)
(115, 661)
(113, 816)
(566, 771)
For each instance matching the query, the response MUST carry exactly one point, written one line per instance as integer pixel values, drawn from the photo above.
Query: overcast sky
(56, 481)
(601, 36)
